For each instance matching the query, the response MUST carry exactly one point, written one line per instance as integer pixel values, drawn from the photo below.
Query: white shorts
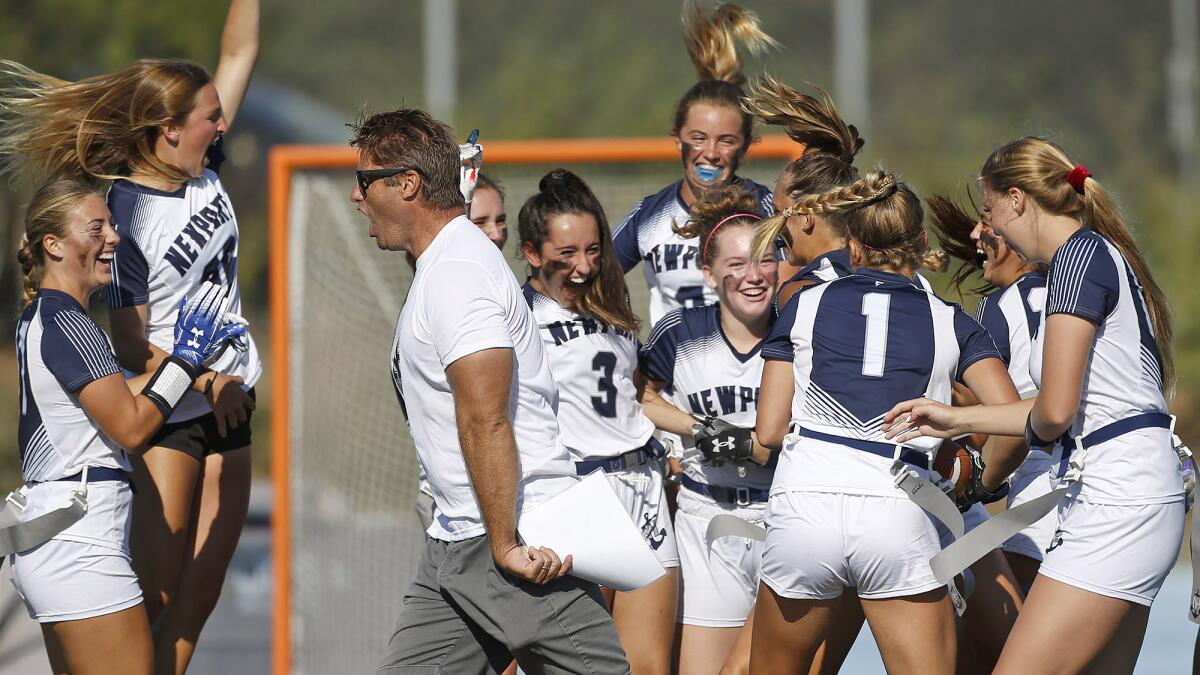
(69, 580)
(719, 586)
(84, 571)
(820, 543)
(1032, 541)
(1116, 550)
(640, 489)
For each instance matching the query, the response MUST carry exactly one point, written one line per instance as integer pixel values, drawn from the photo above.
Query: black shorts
(198, 436)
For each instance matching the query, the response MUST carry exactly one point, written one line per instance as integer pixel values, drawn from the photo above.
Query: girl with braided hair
(81, 420)
(838, 356)
(155, 128)
(709, 358)
(712, 134)
(1101, 360)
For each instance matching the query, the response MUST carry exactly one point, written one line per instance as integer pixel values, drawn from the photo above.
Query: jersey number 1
(875, 307)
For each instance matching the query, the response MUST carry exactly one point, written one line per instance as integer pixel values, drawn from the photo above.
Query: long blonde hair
(830, 144)
(882, 214)
(105, 126)
(1040, 169)
(47, 214)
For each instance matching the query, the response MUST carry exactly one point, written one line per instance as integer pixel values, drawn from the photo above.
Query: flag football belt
(17, 537)
(652, 450)
(732, 496)
(1001, 527)
(924, 493)
(917, 458)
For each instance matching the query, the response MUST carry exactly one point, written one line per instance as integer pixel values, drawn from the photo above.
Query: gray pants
(463, 615)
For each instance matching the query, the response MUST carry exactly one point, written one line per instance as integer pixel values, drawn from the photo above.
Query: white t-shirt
(465, 299)
(593, 365)
(171, 243)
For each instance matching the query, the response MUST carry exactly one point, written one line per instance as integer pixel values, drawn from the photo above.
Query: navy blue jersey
(671, 263)
(1090, 278)
(1012, 316)
(862, 343)
(689, 352)
(60, 350)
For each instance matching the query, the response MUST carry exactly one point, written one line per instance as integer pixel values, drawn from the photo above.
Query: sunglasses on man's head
(367, 176)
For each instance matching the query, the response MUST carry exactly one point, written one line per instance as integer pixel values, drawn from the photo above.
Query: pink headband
(707, 239)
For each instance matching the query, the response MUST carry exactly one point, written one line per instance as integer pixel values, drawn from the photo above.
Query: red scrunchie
(1077, 176)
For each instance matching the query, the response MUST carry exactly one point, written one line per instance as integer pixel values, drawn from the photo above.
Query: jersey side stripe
(39, 454)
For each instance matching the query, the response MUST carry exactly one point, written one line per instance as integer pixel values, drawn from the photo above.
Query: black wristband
(1031, 438)
(170, 382)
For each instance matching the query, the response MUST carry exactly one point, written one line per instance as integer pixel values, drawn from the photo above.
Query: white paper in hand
(588, 522)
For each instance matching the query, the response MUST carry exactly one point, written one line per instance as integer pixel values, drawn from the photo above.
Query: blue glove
(204, 326)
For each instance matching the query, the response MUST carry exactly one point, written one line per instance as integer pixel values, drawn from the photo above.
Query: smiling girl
(712, 135)
(1102, 361)
(577, 294)
(80, 421)
(154, 129)
(709, 357)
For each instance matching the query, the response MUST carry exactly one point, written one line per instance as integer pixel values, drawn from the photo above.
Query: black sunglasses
(367, 176)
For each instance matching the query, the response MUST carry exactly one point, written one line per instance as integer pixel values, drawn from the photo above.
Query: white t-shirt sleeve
(466, 310)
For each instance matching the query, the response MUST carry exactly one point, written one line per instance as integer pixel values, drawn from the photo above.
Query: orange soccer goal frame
(283, 161)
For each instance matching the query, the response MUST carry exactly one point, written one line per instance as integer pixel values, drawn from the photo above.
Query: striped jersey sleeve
(1083, 280)
(991, 317)
(130, 285)
(657, 358)
(625, 239)
(778, 344)
(76, 351)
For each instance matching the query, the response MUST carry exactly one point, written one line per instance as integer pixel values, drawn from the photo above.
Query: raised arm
(480, 383)
(239, 51)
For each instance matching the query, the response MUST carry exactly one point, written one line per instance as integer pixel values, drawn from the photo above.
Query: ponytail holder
(704, 252)
(1076, 177)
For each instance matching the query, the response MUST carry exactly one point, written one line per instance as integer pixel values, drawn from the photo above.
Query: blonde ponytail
(1041, 168)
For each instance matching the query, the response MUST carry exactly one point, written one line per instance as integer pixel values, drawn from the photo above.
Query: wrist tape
(1031, 438)
(170, 382)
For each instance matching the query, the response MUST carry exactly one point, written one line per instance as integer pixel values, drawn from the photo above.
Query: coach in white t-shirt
(476, 387)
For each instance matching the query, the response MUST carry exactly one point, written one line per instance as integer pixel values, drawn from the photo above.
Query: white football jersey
(60, 350)
(1011, 316)
(464, 299)
(860, 344)
(1089, 278)
(171, 243)
(672, 264)
(690, 353)
(593, 364)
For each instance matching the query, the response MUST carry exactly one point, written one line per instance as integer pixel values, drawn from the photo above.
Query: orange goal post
(345, 538)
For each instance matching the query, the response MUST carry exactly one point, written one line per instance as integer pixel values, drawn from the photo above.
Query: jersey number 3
(875, 307)
(605, 363)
